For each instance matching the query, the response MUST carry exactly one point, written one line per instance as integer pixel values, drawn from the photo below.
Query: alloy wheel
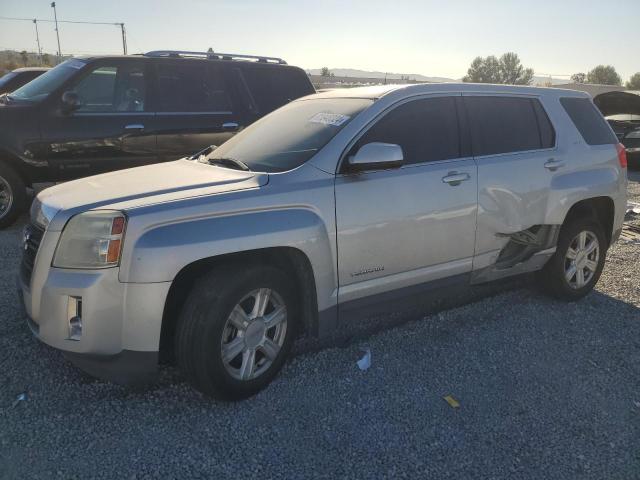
(253, 334)
(581, 259)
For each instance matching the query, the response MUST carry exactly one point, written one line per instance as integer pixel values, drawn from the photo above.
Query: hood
(144, 185)
(618, 103)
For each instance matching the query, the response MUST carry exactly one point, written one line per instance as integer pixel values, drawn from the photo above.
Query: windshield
(39, 88)
(288, 137)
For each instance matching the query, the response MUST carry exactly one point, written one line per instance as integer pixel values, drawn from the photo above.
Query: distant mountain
(544, 80)
(352, 72)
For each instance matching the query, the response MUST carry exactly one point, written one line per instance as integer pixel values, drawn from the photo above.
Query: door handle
(553, 165)
(134, 126)
(230, 126)
(455, 178)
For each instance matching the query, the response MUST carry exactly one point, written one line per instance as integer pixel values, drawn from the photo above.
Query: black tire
(11, 184)
(203, 322)
(552, 277)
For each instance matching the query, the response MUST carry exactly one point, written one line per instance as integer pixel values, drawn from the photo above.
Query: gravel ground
(546, 390)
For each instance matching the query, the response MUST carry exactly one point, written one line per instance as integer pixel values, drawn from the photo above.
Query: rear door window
(274, 86)
(589, 121)
(504, 125)
(426, 129)
(191, 87)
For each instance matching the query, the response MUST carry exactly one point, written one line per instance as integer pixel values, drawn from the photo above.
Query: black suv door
(110, 130)
(193, 105)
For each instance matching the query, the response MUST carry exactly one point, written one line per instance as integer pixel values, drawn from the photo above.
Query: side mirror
(376, 156)
(70, 102)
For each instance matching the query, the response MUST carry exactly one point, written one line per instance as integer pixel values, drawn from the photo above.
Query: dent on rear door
(513, 187)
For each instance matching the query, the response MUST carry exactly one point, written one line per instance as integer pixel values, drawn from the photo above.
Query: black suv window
(114, 88)
(589, 121)
(185, 86)
(427, 130)
(274, 86)
(505, 124)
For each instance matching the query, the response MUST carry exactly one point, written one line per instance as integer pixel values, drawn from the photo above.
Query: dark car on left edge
(98, 114)
(14, 79)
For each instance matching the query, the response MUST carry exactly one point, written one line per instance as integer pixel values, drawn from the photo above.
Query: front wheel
(576, 266)
(236, 330)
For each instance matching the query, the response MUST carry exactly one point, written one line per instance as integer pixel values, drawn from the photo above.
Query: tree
(604, 75)
(46, 60)
(579, 77)
(24, 57)
(634, 82)
(325, 72)
(512, 71)
(507, 70)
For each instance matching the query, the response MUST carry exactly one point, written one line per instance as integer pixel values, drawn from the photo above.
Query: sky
(434, 38)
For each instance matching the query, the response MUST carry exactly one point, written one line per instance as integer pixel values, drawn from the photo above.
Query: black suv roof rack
(211, 55)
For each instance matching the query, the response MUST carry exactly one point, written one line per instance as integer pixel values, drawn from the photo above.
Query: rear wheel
(236, 330)
(13, 195)
(577, 264)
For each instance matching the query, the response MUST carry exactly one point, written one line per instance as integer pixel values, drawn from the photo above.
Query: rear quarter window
(589, 121)
(274, 86)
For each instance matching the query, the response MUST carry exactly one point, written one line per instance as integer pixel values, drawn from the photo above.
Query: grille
(31, 242)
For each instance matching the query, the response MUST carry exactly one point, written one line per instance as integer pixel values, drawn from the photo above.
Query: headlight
(91, 240)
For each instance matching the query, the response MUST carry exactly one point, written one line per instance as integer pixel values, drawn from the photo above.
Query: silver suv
(335, 202)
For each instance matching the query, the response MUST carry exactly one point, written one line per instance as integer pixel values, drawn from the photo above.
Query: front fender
(159, 253)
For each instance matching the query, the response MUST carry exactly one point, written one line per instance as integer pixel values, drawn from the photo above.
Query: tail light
(622, 155)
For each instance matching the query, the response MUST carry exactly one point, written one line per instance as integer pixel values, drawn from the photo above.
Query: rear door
(112, 129)
(415, 224)
(514, 145)
(193, 105)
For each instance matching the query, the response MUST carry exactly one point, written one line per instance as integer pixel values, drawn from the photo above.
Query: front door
(415, 224)
(194, 107)
(110, 130)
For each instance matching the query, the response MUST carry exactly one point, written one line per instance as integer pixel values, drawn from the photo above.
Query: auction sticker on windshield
(335, 119)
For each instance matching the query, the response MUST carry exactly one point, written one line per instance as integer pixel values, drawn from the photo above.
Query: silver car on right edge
(330, 207)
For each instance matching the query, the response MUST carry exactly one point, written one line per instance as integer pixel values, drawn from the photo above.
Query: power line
(59, 21)
(56, 21)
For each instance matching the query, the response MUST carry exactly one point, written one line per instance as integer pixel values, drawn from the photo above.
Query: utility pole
(35, 23)
(124, 38)
(55, 16)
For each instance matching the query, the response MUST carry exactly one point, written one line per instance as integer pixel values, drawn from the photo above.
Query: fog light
(74, 312)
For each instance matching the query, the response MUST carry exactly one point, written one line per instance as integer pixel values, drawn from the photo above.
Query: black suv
(93, 115)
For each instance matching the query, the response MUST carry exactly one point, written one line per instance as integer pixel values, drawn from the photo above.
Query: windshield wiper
(229, 163)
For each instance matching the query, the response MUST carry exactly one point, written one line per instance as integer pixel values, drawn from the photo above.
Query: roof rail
(211, 55)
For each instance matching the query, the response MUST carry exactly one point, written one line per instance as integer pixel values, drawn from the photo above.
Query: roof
(379, 91)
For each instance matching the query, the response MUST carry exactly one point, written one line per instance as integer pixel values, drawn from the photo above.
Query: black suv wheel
(13, 195)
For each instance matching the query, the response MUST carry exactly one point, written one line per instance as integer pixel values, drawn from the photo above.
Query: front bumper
(121, 322)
